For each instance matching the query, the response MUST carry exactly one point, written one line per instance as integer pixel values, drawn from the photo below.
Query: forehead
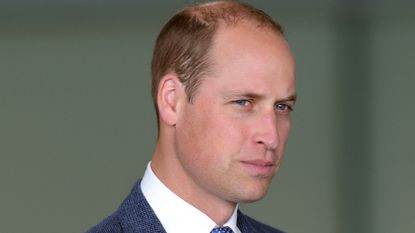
(248, 55)
(235, 41)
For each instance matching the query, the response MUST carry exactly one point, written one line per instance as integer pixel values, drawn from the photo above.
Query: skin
(225, 146)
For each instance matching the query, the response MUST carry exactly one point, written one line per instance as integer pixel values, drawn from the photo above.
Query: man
(223, 88)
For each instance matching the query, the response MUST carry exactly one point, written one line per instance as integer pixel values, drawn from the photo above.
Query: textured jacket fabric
(136, 216)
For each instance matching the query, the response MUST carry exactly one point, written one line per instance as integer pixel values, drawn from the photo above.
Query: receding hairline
(231, 13)
(184, 44)
(220, 16)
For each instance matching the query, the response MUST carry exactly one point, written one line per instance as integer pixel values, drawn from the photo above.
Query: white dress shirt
(174, 213)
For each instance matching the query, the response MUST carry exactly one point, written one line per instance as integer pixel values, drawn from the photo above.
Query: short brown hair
(183, 44)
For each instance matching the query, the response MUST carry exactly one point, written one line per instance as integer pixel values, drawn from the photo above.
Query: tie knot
(222, 230)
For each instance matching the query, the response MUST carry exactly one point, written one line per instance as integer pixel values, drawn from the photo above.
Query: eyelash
(242, 102)
(287, 108)
(246, 102)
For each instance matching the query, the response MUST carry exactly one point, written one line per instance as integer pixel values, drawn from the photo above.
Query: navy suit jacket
(136, 216)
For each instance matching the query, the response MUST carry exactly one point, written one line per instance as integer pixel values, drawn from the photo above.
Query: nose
(266, 131)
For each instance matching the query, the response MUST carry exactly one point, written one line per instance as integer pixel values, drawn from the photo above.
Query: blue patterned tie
(222, 230)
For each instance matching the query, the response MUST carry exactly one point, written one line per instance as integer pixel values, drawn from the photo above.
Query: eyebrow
(251, 95)
(291, 98)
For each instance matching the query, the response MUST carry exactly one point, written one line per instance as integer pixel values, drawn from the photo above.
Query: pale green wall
(77, 125)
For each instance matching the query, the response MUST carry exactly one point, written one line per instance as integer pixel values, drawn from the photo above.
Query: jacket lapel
(244, 224)
(136, 215)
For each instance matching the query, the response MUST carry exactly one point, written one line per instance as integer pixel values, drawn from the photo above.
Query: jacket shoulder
(133, 215)
(110, 224)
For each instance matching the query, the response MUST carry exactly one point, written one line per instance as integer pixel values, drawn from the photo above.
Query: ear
(169, 94)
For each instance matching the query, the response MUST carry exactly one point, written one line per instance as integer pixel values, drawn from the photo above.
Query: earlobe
(168, 98)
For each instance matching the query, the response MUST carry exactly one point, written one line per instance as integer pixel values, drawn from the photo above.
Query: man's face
(230, 140)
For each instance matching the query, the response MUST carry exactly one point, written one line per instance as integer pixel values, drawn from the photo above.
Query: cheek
(218, 136)
(209, 135)
(196, 135)
(221, 136)
(284, 128)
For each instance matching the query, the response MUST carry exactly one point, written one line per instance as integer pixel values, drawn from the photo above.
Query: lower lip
(259, 170)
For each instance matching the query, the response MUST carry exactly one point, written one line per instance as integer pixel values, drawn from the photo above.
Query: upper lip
(259, 162)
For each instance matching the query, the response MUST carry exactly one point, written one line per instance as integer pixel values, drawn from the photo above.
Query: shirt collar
(175, 214)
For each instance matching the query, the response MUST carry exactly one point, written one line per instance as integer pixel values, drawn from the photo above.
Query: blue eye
(283, 108)
(242, 103)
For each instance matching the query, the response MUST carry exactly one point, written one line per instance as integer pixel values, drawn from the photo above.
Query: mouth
(260, 168)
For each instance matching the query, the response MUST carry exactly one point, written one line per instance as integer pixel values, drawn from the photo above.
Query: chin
(252, 198)
(253, 194)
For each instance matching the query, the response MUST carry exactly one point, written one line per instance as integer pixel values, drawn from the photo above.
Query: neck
(169, 170)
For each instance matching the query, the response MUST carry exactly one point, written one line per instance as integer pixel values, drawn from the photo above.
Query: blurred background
(77, 126)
